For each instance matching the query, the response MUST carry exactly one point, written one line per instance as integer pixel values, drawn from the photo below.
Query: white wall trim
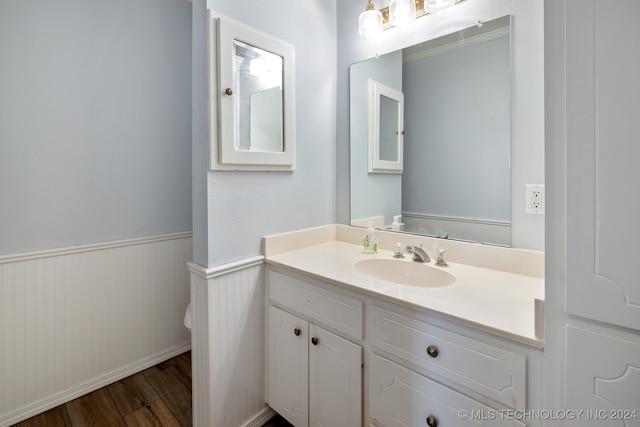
(221, 270)
(68, 250)
(458, 44)
(465, 229)
(261, 418)
(91, 385)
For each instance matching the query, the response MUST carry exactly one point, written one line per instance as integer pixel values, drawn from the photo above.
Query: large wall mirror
(456, 177)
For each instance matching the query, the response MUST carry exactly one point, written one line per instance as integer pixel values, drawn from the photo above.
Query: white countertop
(498, 302)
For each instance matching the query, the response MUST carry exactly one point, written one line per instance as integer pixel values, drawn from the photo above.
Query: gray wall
(95, 121)
(457, 140)
(527, 98)
(241, 207)
(378, 193)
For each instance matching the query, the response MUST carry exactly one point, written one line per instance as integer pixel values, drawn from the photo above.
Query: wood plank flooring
(159, 396)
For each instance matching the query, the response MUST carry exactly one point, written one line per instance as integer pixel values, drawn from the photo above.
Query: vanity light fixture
(399, 12)
(433, 6)
(402, 12)
(370, 22)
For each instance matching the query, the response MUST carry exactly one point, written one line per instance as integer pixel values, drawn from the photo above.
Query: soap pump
(370, 242)
(396, 225)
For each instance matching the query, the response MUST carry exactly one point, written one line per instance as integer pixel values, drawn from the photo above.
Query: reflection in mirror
(386, 134)
(389, 129)
(456, 177)
(258, 86)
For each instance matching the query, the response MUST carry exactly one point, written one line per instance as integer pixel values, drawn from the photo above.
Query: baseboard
(261, 418)
(90, 386)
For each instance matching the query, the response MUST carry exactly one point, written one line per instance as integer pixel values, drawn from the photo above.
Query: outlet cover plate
(535, 199)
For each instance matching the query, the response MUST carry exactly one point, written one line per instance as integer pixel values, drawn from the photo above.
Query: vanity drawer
(491, 371)
(400, 397)
(333, 309)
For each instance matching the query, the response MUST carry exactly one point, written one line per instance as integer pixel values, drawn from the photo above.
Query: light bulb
(370, 22)
(402, 12)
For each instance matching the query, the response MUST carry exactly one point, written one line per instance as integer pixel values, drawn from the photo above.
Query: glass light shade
(402, 12)
(370, 23)
(432, 6)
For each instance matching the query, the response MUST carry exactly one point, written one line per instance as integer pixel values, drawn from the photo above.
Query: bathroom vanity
(347, 348)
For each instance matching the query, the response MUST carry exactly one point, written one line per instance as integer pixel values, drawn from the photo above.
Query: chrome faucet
(419, 254)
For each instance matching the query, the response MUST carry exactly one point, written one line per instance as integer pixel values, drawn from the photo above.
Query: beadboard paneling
(75, 319)
(228, 352)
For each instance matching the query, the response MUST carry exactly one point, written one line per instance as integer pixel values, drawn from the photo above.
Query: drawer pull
(432, 351)
(228, 91)
(432, 421)
(314, 341)
(296, 331)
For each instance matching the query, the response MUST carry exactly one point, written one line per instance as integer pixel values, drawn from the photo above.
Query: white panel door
(288, 374)
(604, 376)
(335, 380)
(603, 173)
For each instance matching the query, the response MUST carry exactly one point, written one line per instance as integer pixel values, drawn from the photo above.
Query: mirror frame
(222, 128)
(376, 164)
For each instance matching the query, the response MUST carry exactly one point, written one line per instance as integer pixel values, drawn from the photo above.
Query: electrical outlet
(535, 199)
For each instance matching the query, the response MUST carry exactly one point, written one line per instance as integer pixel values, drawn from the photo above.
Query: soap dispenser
(370, 242)
(396, 225)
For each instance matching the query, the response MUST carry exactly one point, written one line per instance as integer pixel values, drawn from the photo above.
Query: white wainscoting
(228, 353)
(75, 319)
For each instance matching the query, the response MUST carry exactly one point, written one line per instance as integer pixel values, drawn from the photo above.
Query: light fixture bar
(420, 11)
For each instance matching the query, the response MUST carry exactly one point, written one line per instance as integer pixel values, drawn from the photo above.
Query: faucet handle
(399, 250)
(441, 257)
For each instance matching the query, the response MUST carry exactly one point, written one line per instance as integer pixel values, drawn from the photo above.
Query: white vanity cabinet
(419, 369)
(314, 376)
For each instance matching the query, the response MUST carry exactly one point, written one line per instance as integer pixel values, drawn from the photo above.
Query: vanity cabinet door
(399, 397)
(315, 377)
(335, 380)
(288, 354)
(494, 372)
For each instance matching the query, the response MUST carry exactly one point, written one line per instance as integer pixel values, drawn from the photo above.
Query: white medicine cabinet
(386, 128)
(251, 98)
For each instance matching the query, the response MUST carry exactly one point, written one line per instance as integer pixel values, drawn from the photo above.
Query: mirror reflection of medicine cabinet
(386, 128)
(251, 99)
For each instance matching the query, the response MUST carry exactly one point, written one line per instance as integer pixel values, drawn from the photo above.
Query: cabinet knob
(432, 351)
(296, 331)
(228, 91)
(314, 341)
(432, 421)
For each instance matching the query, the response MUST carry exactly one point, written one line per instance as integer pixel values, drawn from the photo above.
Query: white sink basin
(405, 272)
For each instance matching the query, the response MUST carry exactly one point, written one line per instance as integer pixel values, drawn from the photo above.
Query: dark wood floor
(158, 396)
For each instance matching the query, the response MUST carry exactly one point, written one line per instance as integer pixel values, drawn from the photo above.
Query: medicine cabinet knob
(296, 331)
(432, 421)
(228, 91)
(314, 341)
(432, 351)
